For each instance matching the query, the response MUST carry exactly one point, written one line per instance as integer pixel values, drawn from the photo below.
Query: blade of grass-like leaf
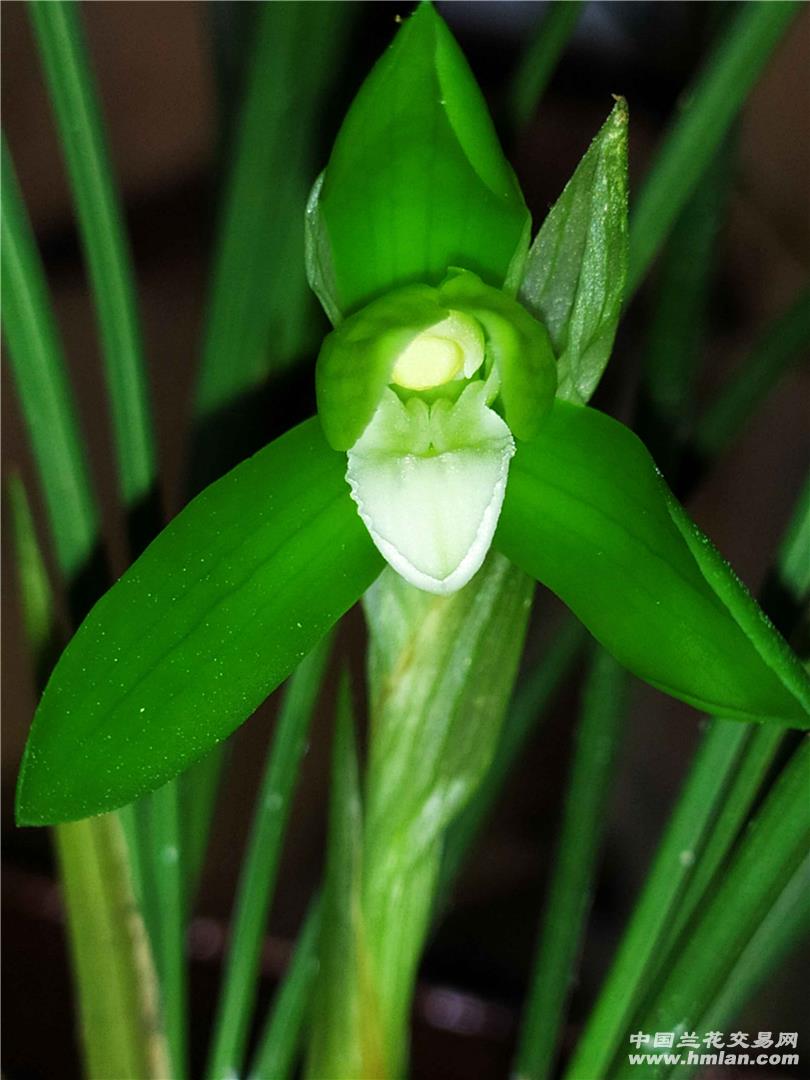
(170, 896)
(758, 755)
(260, 315)
(780, 345)
(260, 867)
(765, 863)
(536, 65)
(113, 968)
(596, 744)
(199, 787)
(527, 704)
(75, 103)
(280, 1041)
(42, 383)
(688, 826)
(112, 961)
(730, 71)
(677, 328)
(74, 99)
(35, 589)
(47, 404)
(783, 927)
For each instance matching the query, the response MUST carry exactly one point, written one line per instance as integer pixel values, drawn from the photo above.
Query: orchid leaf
(211, 618)
(588, 515)
(576, 270)
(417, 181)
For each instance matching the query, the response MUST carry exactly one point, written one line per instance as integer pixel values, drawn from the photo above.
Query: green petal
(577, 266)
(355, 362)
(587, 514)
(211, 618)
(417, 180)
(518, 345)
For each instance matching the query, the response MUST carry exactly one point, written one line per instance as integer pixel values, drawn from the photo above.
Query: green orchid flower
(453, 417)
(409, 386)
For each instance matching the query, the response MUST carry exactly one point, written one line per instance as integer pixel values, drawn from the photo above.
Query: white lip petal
(433, 514)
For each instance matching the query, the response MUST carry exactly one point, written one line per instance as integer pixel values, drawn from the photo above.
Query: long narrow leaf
(757, 757)
(260, 868)
(597, 738)
(42, 383)
(79, 121)
(723, 85)
(787, 922)
(78, 115)
(211, 618)
(769, 855)
(199, 787)
(117, 988)
(678, 325)
(170, 931)
(781, 344)
(35, 589)
(537, 63)
(260, 313)
(280, 1041)
(687, 829)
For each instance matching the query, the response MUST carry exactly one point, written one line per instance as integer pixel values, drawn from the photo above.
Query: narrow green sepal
(417, 180)
(577, 266)
(200, 629)
(518, 346)
(587, 514)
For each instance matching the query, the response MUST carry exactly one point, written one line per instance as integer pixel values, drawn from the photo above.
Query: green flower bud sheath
(422, 387)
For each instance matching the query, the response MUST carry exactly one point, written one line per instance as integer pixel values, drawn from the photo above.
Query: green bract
(435, 386)
(577, 266)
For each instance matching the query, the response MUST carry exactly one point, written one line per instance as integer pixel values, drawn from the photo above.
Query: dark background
(156, 64)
